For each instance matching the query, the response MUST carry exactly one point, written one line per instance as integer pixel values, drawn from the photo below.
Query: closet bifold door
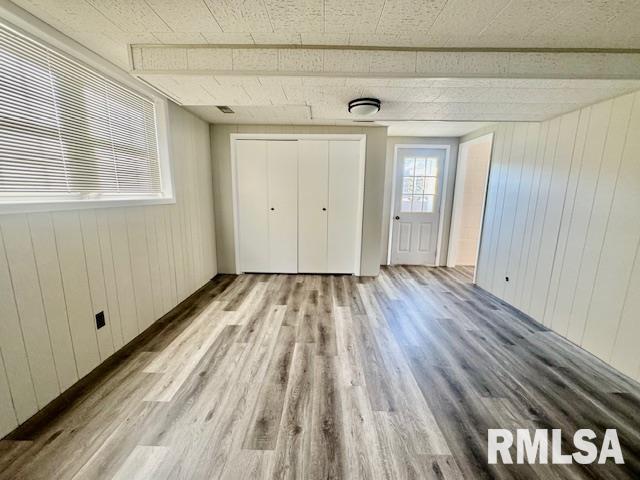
(282, 164)
(313, 186)
(344, 200)
(253, 199)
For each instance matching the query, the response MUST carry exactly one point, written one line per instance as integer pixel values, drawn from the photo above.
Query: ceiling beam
(374, 62)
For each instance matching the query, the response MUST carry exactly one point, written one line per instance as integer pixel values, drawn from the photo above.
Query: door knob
(272, 208)
(324, 209)
(397, 217)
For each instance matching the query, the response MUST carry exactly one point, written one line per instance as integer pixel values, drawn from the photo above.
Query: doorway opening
(472, 175)
(419, 186)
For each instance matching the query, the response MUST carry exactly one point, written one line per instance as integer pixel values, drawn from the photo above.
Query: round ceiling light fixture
(364, 106)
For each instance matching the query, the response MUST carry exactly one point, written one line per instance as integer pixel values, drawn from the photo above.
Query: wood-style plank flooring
(320, 377)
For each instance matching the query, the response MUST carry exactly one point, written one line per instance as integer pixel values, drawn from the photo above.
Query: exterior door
(416, 206)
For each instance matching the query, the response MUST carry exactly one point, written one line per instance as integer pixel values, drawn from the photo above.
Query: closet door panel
(344, 198)
(282, 160)
(253, 225)
(313, 171)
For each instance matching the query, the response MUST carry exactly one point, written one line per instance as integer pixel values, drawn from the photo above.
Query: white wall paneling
(468, 203)
(58, 269)
(562, 223)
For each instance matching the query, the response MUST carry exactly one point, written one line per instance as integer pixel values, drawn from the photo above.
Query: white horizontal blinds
(68, 129)
(30, 149)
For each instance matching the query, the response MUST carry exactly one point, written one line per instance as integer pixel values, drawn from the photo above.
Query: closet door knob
(324, 209)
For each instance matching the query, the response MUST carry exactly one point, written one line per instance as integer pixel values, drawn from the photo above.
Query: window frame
(25, 24)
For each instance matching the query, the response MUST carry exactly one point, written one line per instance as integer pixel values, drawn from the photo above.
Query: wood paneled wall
(58, 269)
(562, 223)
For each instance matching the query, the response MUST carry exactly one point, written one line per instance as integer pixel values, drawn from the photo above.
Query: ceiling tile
(240, 16)
(186, 15)
(131, 15)
(299, 16)
(164, 58)
(255, 59)
(392, 61)
(409, 15)
(346, 61)
(352, 16)
(209, 58)
(301, 60)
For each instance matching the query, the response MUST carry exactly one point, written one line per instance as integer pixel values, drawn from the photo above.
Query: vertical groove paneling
(8, 420)
(619, 248)
(76, 286)
(14, 352)
(562, 156)
(575, 227)
(95, 273)
(579, 221)
(57, 270)
(26, 289)
(599, 218)
(46, 254)
(540, 212)
(521, 204)
(110, 282)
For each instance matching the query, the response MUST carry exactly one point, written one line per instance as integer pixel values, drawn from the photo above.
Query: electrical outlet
(100, 321)
(506, 279)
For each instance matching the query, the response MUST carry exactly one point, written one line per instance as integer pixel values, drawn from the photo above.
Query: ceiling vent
(224, 109)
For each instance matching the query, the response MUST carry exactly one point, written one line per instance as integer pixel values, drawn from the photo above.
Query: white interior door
(253, 198)
(416, 206)
(313, 184)
(282, 164)
(344, 200)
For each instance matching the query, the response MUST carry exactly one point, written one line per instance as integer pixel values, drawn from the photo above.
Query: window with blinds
(69, 131)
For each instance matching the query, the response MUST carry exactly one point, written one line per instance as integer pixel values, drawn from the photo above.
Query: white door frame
(445, 175)
(234, 137)
(457, 199)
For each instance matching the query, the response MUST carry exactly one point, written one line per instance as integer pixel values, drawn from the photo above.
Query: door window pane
(432, 167)
(427, 203)
(408, 167)
(419, 184)
(430, 185)
(407, 185)
(406, 203)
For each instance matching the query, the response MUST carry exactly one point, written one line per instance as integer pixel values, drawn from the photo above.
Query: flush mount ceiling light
(364, 106)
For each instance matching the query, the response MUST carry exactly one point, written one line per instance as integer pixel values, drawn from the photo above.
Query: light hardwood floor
(318, 377)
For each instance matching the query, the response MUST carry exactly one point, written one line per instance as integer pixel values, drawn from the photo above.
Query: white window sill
(56, 205)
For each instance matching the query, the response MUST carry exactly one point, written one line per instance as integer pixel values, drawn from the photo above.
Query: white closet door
(251, 164)
(343, 208)
(313, 178)
(282, 160)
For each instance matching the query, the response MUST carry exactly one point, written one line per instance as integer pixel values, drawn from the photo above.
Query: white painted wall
(563, 223)
(468, 203)
(58, 269)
